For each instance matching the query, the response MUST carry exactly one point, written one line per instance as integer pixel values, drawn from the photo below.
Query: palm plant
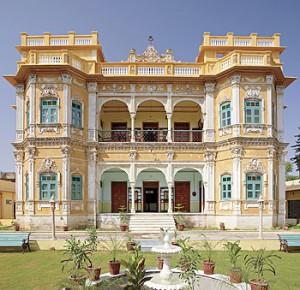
(260, 262)
(135, 271)
(78, 255)
(233, 249)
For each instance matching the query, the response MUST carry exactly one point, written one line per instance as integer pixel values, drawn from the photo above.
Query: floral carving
(48, 90)
(48, 165)
(253, 91)
(254, 165)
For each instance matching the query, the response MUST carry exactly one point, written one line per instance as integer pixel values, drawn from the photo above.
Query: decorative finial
(150, 39)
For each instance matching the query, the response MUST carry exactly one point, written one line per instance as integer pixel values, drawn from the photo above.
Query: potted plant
(65, 228)
(92, 243)
(189, 262)
(16, 225)
(159, 262)
(233, 250)
(179, 219)
(113, 245)
(222, 227)
(131, 243)
(208, 263)
(123, 219)
(78, 255)
(135, 271)
(260, 262)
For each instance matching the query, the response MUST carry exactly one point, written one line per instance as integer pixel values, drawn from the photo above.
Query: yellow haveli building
(207, 135)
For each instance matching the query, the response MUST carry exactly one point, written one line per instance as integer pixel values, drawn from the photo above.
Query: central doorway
(150, 190)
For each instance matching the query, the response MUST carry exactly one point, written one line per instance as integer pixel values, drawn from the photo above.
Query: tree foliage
(296, 158)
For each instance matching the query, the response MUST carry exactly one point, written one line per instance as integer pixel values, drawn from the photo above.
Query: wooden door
(182, 194)
(150, 189)
(118, 195)
(181, 133)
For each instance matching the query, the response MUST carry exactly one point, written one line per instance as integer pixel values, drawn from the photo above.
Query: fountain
(166, 279)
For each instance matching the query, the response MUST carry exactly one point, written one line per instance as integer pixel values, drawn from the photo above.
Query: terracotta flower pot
(258, 285)
(17, 228)
(174, 243)
(123, 227)
(94, 273)
(160, 263)
(180, 227)
(208, 267)
(114, 267)
(222, 226)
(65, 228)
(130, 246)
(235, 275)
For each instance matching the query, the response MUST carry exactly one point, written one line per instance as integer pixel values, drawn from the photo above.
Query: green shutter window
(49, 111)
(253, 185)
(252, 111)
(27, 187)
(27, 114)
(76, 114)
(48, 186)
(225, 187)
(76, 187)
(225, 115)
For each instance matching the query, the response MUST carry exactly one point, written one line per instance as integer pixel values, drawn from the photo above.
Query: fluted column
(67, 82)
(32, 102)
(66, 194)
(281, 189)
(280, 119)
(209, 158)
(235, 105)
(271, 193)
(19, 181)
(270, 85)
(92, 91)
(132, 116)
(169, 136)
(236, 180)
(132, 186)
(31, 178)
(92, 188)
(19, 112)
(209, 131)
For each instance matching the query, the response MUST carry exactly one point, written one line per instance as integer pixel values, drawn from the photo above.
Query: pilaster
(280, 120)
(31, 150)
(67, 82)
(271, 192)
(210, 158)
(270, 85)
(92, 92)
(236, 180)
(19, 181)
(19, 112)
(281, 188)
(32, 104)
(209, 131)
(235, 104)
(66, 194)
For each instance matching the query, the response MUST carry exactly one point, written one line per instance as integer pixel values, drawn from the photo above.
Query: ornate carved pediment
(48, 165)
(252, 91)
(151, 55)
(254, 165)
(48, 90)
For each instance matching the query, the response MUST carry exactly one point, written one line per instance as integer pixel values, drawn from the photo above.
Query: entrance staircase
(151, 222)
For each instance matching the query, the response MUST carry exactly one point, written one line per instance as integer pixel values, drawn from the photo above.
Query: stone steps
(150, 222)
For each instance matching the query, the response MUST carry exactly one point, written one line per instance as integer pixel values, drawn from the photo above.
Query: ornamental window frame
(78, 119)
(48, 109)
(252, 116)
(226, 111)
(51, 185)
(79, 185)
(226, 193)
(255, 192)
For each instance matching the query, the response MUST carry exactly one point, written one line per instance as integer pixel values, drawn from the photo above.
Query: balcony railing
(114, 136)
(150, 135)
(187, 135)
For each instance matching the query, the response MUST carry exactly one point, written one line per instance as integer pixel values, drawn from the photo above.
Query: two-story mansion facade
(150, 133)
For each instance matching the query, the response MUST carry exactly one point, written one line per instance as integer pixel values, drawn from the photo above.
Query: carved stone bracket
(132, 155)
(170, 155)
(93, 154)
(92, 87)
(235, 79)
(210, 156)
(19, 89)
(66, 79)
(237, 152)
(66, 151)
(210, 87)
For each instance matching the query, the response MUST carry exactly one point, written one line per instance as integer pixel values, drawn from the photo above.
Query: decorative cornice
(92, 87)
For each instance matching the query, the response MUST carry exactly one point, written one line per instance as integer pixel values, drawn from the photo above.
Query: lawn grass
(42, 269)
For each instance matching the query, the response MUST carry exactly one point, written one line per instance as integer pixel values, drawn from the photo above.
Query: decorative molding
(78, 83)
(18, 154)
(210, 156)
(253, 128)
(252, 91)
(20, 89)
(132, 155)
(115, 88)
(93, 154)
(253, 80)
(280, 90)
(92, 87)
(237, 152)
(66, 78)
(31, 150)
(170, 155)
(269, 79)
(225, 131)
(151, 88)
(209, 88)
(185, 89)
(49, 90)
(255, 165)
(48, 165)
(49, 128)
(235, 79)
(271, 152)
(32, 79)
(66, 150)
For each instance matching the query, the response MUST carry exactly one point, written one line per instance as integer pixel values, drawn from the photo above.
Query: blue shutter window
(76, 114)
(49, 111)
(27, 187)
(76, 187)
(252, 112)
(253, 185)
(225, 187)
(225, 115)
(48, 186)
